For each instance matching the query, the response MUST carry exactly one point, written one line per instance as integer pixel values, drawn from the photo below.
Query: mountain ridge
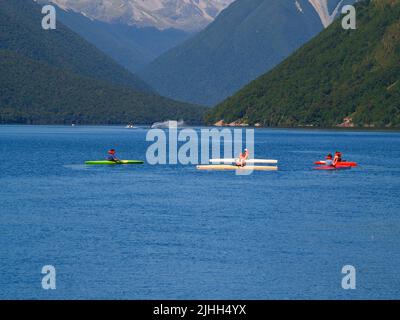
(132, 47)
(23, 33)
(247, 39)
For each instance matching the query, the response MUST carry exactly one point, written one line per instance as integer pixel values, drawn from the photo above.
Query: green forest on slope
(341, 73)
(35, 93)
(21, 31)
(56, 77)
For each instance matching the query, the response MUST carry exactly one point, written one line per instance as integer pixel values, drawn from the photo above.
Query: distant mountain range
(187, 15)
(347, 78)
(247, 39)
(135, 32)
(131, 46)
(341, 78)
(57, 77)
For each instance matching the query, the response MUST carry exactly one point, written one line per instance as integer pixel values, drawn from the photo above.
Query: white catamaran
(230, 164)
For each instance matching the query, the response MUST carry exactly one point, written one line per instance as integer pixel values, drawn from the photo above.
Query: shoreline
(140, 126)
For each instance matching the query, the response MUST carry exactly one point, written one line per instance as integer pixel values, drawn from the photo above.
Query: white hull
(249, 161)
(230, 167)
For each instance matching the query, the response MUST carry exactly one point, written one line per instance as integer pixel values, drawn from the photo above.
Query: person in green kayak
(112, 157)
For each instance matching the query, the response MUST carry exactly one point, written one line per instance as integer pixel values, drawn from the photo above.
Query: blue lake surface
(172, 232)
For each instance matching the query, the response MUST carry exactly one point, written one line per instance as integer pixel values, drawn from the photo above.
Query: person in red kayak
(242, 158)
(337, 159)
(328, 159)
(111, 156)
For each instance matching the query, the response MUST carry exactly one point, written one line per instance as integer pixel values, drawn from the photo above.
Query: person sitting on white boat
(242, 158)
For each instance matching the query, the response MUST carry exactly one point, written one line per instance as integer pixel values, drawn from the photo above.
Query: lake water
(171, 232)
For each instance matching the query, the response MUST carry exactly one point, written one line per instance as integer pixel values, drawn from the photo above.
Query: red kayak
(343, 163)
(337, 167)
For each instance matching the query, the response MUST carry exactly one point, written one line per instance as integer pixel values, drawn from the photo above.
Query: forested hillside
(342, 77)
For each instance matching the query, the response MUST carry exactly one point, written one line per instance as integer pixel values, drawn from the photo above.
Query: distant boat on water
(171, 124)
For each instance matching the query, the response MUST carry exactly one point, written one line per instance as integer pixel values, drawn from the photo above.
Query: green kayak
(106, 162)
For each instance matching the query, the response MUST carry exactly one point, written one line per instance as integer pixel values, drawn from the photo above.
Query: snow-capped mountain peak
(189, 15)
